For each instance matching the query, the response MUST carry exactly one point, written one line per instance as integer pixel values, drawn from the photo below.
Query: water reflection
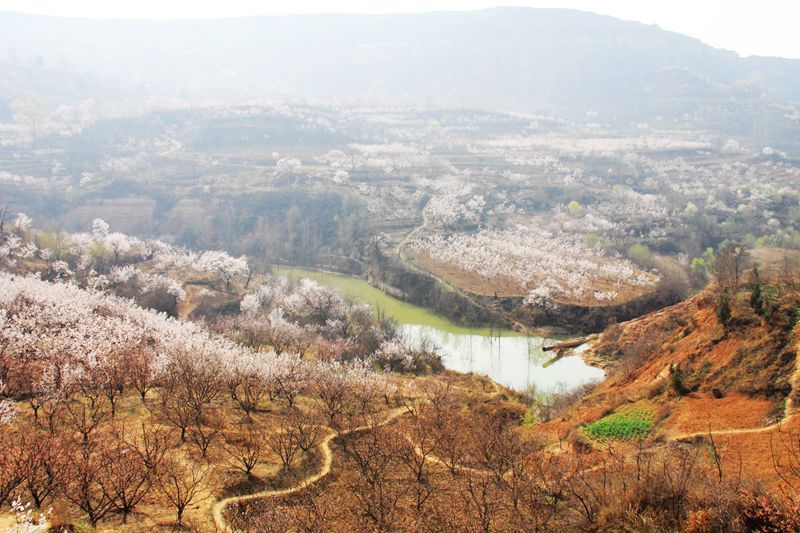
(516, 362)
(503, 355)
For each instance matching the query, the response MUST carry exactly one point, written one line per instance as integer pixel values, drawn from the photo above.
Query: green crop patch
(634, 423)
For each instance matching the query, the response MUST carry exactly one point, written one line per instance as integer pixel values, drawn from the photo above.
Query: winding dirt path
(327, 455)
(740, 431)
(409, 236)
(790, 412)
(327, 462)
(435, 459)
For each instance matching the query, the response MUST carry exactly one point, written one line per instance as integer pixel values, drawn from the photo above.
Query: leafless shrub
(245, 448)
(181, 484)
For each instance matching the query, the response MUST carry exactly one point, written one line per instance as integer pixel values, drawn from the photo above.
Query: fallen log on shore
(572, 343)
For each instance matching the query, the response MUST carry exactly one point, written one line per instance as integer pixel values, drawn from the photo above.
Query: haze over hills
(562, 62)
(502, 270)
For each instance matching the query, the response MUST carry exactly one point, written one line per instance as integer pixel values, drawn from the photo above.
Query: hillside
(283, 407)
(535, 60)
(511, 269)
(688, 378)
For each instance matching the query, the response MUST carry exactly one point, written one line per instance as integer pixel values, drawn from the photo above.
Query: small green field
(633, 423)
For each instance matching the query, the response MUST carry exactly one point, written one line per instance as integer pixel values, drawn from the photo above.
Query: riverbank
(510, 358)
(461, 306)
(404, 312)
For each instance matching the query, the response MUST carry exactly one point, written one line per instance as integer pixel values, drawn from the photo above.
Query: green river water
(512, 359)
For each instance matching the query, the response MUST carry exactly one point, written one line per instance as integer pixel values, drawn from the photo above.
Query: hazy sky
(750, 27)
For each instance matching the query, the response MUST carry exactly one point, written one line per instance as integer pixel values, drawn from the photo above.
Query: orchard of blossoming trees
(113, 414)
(547, 268)
(108, 260)
(287, 318)
(349, 188)
(308, 315)
(108, 407)
(70, 358)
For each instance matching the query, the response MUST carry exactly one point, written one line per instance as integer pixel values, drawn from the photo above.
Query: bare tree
(250, 392)
(416, 453)
(197, 381)
(112, 382)
(283, 443)
(13, 462)
(203, 430)
(4, 216)
(785, 451)
(139, 369)
(245, 448)
(531, 481)
(377, 490)
(332, 394)
(182, 484)
(174, 410)
(86, 480)
(47, 464)
(84, 414)
(289, 380)
(421, 439)
(449, 433)
(481, 502)
(132, 464)
(729, 267)
(54, 414)
(295, 433)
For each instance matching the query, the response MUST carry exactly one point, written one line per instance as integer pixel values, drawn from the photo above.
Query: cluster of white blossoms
(143, 282)
(447, 209)
(552, 268)
(222, 265)
(293, 317)
(453, 199)
(70, 254)
(288, 165)
(56, 337)
(388, 157)
(597, 146)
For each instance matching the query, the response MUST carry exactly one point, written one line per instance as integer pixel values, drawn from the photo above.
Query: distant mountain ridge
(536, 60)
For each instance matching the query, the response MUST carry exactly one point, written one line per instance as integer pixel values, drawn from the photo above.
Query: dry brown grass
(738, 380)
(698, 412)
